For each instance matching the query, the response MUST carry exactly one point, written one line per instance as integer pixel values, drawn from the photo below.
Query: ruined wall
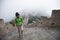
(43, 22)
(54, 21)
(7, 31)
(1, 22)
(56, 17)
(46, 22)
(1, 28)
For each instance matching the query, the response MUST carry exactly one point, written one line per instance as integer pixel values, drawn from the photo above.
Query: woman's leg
(19, 31)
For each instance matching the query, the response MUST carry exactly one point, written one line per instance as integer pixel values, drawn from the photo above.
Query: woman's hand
(14, 25)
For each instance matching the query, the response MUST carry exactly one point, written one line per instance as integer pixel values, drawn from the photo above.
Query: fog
(43, 7)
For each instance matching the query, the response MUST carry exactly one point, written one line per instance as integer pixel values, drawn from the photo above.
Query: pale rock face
(25, 21)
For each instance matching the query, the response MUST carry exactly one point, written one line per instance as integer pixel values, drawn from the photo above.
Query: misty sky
(9, 7)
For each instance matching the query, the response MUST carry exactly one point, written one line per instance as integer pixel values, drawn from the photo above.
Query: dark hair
(17, 14)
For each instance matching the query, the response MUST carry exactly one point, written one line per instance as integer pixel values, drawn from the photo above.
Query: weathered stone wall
(56, 17)
(1, 28)
(54, 21)
(46, 22)
(43, 22)
(1, 22)
(7, 31)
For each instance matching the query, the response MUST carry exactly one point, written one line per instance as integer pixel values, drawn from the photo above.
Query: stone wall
(56, 17)
(1, 28)
(54, 21)
(43, 22)
(1, 22)
(7, 31)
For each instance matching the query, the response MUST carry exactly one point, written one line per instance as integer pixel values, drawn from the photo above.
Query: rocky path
(34, 33)
(40, 34)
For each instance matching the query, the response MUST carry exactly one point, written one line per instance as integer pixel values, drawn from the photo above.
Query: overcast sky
(9, 7)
